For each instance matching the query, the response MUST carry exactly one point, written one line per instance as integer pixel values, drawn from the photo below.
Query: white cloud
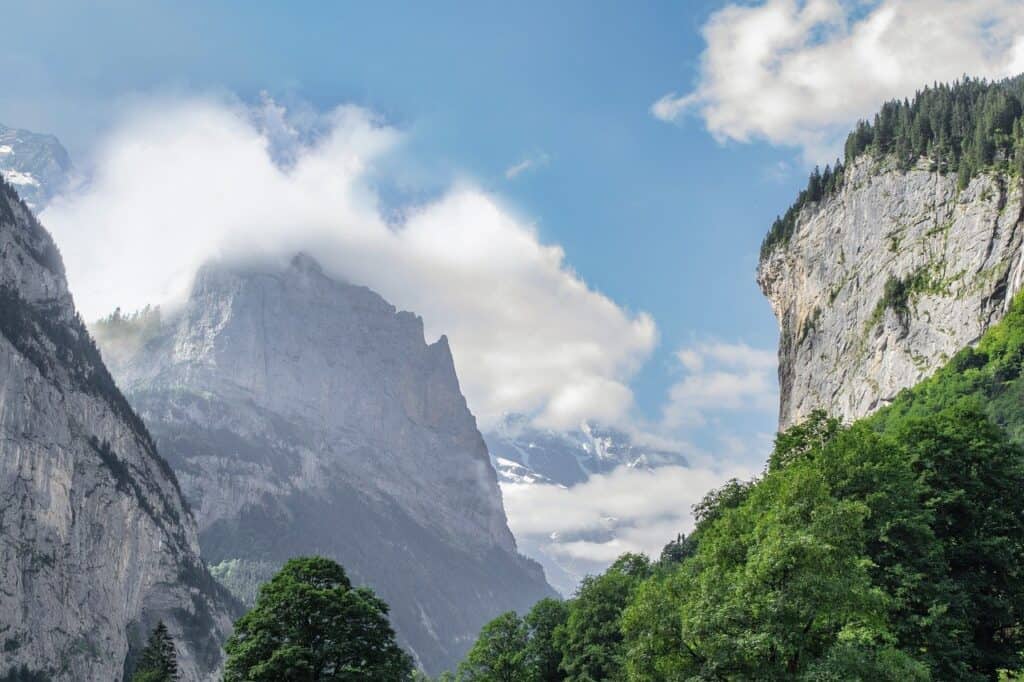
(720, 376)
(179, 181)
(800, 72)
(529, 163)
(628, 510)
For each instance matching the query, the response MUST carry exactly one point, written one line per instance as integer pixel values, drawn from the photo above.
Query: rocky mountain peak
(304, 414)
(37, 166)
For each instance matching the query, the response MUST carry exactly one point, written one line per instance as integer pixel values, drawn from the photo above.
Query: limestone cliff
(306, 415)
(96, 543)
(885, 279)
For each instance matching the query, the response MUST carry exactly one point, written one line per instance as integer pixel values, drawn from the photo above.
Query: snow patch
(18, 178)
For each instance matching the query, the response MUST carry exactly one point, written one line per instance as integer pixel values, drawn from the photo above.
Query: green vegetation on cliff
(890, 549)
(965, 127)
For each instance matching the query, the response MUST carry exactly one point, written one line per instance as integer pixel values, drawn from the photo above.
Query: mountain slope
(96, 543)
(305, 415)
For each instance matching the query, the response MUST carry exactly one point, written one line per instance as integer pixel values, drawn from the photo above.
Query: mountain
(36, 165)
(907, 260)
(524, 454)
(306, 415)
(96, 541)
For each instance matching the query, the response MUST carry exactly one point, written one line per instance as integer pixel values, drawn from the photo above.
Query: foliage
(777, 584)
(542, 623)
(972, 475)
(309, 623)
(677, 551)
(500, 653)
(891, 549)
(514, 649)
(591, 640)
(965, 127)
(820, 186)
(159, 661)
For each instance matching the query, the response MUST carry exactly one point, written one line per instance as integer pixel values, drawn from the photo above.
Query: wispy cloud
(800, 72)
(529, 163)
(720, 377)
(628, 510)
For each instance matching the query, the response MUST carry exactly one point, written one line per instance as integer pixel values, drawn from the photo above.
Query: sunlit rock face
(306, 415)
(950, 260)
(96, 543)
(35, 165)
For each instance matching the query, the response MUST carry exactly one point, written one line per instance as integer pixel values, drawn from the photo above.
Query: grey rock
(96, 542)
(842, 347)
(305, 415)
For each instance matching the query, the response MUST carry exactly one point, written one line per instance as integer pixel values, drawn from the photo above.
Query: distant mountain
(526, 455)
(36, 165)
(305, 415)
(96, 542)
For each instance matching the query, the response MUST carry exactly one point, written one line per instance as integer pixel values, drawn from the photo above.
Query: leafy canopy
(309, 624)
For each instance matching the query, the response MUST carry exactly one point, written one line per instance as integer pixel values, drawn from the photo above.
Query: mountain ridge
(308, 415)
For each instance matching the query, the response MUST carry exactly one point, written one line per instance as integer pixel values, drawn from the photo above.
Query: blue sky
(660, 216)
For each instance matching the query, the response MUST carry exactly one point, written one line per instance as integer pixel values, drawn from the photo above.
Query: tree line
(966, 127)
(889, 549)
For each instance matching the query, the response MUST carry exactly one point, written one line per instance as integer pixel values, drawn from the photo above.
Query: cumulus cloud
(627, 510)
(800, 72)
(721, 377)
(529, 163)
(181, 181)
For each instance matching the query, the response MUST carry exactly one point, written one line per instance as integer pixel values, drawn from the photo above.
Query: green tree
(972, 477)
(159, 661)
(542, 622)
(499, 654)
(310, 624)
(781, 583)
(591, 640)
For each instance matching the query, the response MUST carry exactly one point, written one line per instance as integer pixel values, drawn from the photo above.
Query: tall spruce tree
(159, 661)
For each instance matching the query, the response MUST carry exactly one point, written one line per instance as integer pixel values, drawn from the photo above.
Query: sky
(574, 192)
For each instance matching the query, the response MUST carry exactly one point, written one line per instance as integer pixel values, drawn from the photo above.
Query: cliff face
(96, 544)
(885, 280)
(304, 415)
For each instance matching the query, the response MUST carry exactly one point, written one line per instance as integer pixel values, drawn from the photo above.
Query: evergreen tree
(159, 661)
(965, 128)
